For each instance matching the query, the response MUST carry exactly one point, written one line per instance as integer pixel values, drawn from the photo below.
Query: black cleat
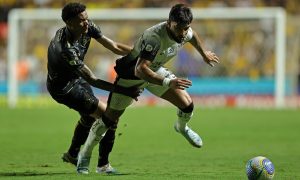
(69, 159)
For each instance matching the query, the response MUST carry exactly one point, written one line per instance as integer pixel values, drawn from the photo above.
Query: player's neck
(73, 36)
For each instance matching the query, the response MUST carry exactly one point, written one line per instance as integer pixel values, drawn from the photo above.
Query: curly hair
(71, 10)
(181, 14)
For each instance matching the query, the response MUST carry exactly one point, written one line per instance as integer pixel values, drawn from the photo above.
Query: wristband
(166, 82)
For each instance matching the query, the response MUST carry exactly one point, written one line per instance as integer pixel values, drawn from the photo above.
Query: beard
(174, 37)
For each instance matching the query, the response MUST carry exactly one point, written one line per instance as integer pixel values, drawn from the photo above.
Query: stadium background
(247, 71)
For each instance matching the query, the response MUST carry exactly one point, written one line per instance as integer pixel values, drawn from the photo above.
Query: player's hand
(180, 83)
(133, 92)
(211, 58)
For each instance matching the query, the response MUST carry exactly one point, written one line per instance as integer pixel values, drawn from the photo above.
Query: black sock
(106, 145)
(79, 137)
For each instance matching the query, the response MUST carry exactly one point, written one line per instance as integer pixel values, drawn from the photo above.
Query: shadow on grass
(27, 173)
(116, 174)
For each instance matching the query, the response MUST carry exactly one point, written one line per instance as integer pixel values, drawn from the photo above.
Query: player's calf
(97, 132)
(184, 116)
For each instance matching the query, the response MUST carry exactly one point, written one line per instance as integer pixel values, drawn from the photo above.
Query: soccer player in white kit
(143, 68)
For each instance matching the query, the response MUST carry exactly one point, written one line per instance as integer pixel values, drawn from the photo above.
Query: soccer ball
(260, 168)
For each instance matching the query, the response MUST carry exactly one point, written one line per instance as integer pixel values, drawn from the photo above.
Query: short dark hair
(181, 14)
(71, 10)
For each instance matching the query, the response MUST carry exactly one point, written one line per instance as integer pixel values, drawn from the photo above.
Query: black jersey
(64, 58)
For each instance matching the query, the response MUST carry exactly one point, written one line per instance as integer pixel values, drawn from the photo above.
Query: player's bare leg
(182, 100)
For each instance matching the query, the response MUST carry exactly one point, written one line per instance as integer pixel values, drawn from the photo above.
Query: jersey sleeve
(149, 47)
(70, 56)
(94, 30)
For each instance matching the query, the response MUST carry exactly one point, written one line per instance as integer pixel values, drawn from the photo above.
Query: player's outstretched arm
(115, 47)
(208, 56)
(143, 71)
(89, 76)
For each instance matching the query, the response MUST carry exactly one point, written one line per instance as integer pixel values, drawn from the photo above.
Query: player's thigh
(159, 90)
(120, 102)
(100, 110)
(116, 105)
(101, 105)
(180, 98)
(114, 114)
(81, 100)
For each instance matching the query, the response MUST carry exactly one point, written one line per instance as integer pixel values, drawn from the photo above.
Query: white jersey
(154, 45)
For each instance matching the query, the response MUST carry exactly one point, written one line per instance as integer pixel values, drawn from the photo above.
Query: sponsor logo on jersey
(149, 48)
(73, 62)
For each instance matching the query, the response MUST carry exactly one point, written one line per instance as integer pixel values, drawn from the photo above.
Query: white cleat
(189, 135)
(106, 169)
(83, 164)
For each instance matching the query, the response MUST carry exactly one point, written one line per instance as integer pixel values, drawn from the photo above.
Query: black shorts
(80, 98)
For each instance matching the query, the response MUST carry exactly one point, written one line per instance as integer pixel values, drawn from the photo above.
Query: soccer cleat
(106, 169)
(66, 157)
(83, 164)
(190, 135)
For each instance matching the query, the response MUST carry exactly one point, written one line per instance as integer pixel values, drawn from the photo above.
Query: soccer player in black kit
(69, 79)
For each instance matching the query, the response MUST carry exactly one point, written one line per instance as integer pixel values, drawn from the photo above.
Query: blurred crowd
(250, 55)
(292, 6)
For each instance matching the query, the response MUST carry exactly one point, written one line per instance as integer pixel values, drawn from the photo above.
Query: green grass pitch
(147, 147)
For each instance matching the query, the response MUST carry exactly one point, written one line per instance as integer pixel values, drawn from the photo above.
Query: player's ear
(168, 23)
(70, 21)
(67, 22)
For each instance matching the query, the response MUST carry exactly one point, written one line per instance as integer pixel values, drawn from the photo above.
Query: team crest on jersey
(170, 50)
(149, 48)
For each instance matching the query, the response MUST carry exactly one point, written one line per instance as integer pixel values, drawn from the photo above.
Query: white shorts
(121, 102)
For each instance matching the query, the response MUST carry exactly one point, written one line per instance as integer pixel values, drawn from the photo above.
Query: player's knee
(114, 126)
(188, 109)
(86, 121)
(109, 123)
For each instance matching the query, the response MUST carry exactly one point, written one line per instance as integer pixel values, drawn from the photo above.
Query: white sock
(183, 118)
(96, 133)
